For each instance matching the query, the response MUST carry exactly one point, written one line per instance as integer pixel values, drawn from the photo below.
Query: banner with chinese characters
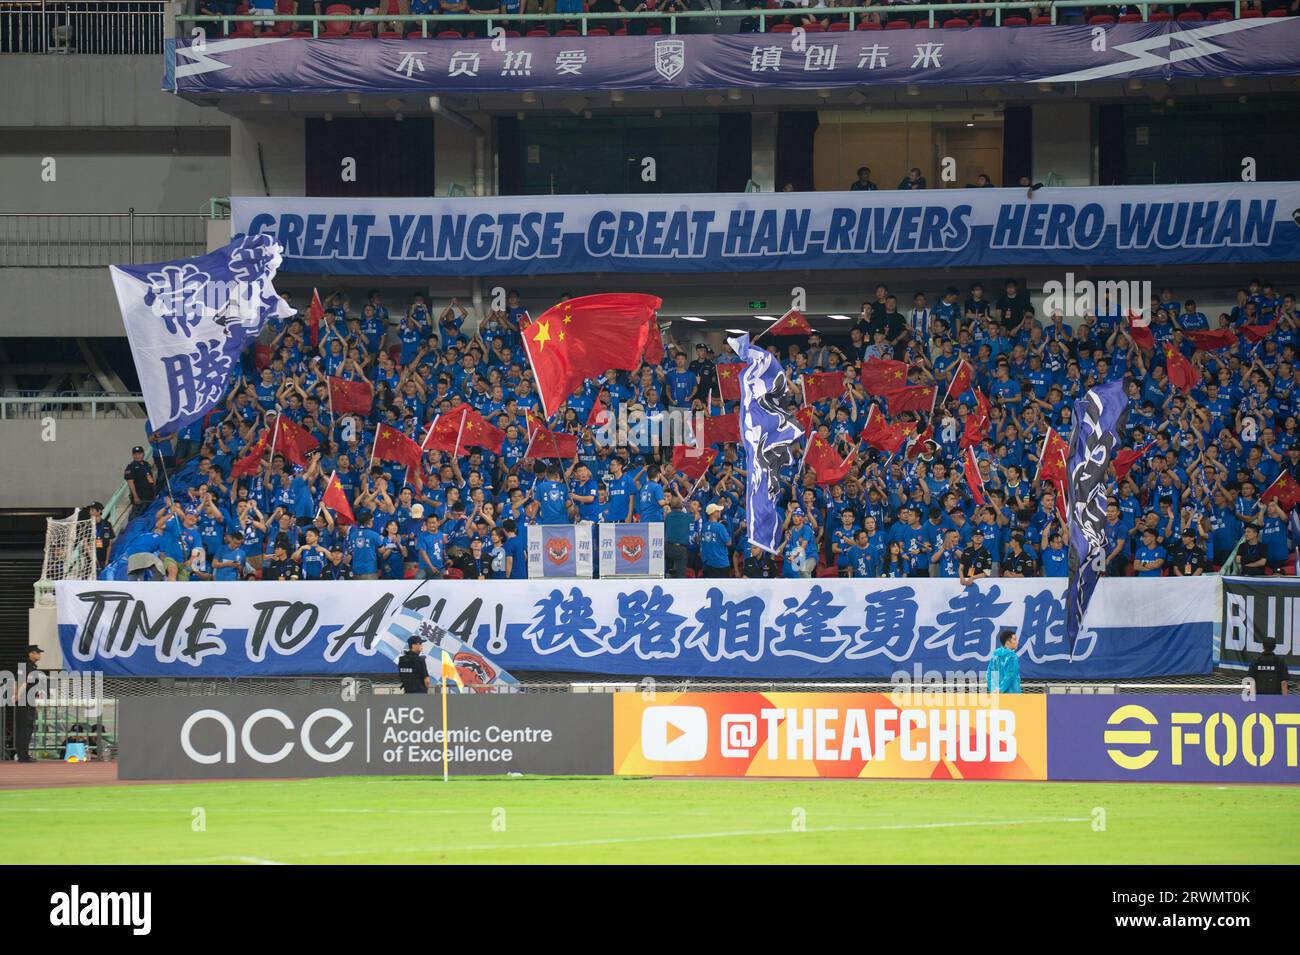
(921, 630)
(1189, 738)
(755, 232)
(632, 550)
(560, 550)
(901, 735)
(1062, 54)
(188, 320)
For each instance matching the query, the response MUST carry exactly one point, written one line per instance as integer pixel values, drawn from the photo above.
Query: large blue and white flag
(1098, 421)
(188, 320)
(770, 435)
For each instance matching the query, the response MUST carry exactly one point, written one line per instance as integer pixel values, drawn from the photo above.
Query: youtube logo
(674, 734)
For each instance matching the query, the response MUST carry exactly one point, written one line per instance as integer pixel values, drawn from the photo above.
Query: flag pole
(442, 682)
(464, 412)
(374, 446)
(328, 484)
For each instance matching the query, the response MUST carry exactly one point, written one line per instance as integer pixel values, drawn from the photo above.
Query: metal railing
(18, 407)
(669, 23)
(82, 26)
(93, 239)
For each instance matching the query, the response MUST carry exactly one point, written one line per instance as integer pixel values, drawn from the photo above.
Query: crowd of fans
(1181, 509)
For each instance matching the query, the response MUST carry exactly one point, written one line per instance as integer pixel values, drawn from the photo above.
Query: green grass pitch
(615, 820)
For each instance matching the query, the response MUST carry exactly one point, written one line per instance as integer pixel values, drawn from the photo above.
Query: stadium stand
(1211, 449)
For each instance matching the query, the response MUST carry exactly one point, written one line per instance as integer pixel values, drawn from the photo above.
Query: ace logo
(631, 547)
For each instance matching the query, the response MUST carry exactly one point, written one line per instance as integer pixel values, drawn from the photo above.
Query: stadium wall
(83, 462)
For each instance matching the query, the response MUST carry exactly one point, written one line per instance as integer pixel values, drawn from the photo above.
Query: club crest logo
(670, 58)
(557, 550)
(631, 547)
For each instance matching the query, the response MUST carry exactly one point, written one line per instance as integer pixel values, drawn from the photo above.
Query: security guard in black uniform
(24, 709)
(413, 668)
(103, 534)
(1269, 671)
(139, 479)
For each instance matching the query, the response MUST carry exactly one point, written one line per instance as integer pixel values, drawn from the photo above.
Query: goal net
(69, 554)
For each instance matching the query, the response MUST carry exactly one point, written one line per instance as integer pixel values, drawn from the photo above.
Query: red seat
(360, 35)
(1130, 18)
(389, 35)
(537, 33)
(921, 25)
(621, 31)
(1041, 22)
(243, 30)
(1190, 16)
(898, 25)
(868, 25)
(336, 27)
(814, 28)
(781, 28)
(415, 35)
(1015, 22)
(1161, 17)
(654, 31)
(283, 28)
(1280, 12)
(1101, 20)
(512, 34)
(1220, 15)
(595, 31)
(450, 35)
(839, 26)
(955, 24)
(568, 31)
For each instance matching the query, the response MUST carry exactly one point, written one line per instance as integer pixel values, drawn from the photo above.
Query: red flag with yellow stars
(392, 445)
(1284, 490)
(879, 375)
(791, 323)
(336, 499)
(586, 336)
(1182, 373)
(729, 379)
(696, 465)
(480, 433)
(446, 431)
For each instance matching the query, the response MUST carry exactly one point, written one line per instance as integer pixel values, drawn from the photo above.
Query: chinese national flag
(481, 433)
(599, 415)
(1284, 490)
(791, 323)
(1051, 460)
(918, 447)
(880, 434)
(973, 480)
(551, 444)
(314, 316)
(586, 336)
(879, 375)
(294, 441)
(351, 397)
(721, 429)
(729, 379)
(1141, 334)
(1182, 375)
(822, 458)
(805, 418)
(1257, 333)
(251, 462)
(336, 499)
(695, 466)
(913, 398)
(1125, 459)
(822, 385)
(1062, 508)
(1212, 340)
(445, 432)
(962, 379)
(392, 445)
(654, 345)
(976, 428)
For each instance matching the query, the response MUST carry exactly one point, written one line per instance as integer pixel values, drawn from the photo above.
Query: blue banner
(188, 320)
(755, 232)
(914, 630)
(675, 64)
(1099, 418)
(769, 434)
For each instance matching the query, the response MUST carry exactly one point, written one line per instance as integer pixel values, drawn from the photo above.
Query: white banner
(760, 629)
